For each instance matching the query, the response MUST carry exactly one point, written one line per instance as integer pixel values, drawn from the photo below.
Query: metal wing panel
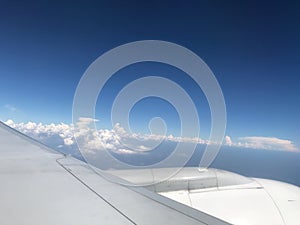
(40, 186)
(35, 190)
(139, 204)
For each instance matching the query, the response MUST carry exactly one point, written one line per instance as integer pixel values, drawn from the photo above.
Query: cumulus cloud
(228, 141)
(58, 136)
(266, 143)
(271, 143)
(40, 130)
(118, 140)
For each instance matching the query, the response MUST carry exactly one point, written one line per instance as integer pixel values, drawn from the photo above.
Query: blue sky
(252, 48)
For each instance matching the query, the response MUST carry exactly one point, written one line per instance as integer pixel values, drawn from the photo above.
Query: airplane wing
(41, 186)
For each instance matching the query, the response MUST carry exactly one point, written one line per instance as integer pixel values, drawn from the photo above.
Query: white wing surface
(39, 186)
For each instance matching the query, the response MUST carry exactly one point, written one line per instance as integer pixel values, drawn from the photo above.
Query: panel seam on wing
(96, 193)
(274, 202)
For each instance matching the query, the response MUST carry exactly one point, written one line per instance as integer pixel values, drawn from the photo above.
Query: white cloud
(55, 135)
(228, 141)
(68, 141)
(271, 143)
(91, 141)
(85, 121)
(10, 123)
(266, 143)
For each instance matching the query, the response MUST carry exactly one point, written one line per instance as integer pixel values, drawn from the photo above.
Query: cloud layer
(265, 143)
(61, 136)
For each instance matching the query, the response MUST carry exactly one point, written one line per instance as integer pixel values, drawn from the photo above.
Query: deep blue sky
(252, 47)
